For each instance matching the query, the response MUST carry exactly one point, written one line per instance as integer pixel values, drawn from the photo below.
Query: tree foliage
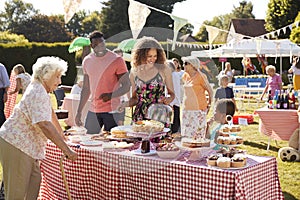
(46, 29)
(281, 13)
(244, 10)
(295, 34)
(114, 16)
(15, 12)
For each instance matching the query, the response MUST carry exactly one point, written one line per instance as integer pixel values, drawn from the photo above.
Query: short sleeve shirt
(25, 80)
(102, 72)
(274, 83)
(224, 93)
(296, 71)
(21, 129)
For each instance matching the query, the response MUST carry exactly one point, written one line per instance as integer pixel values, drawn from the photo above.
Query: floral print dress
(148, 92)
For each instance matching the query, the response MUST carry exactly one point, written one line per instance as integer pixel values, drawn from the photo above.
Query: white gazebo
(252, 47)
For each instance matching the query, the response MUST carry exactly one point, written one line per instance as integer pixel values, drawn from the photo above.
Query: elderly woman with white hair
(24, 135)
(195, 104)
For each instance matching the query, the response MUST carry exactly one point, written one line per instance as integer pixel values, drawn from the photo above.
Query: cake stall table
(98, 174)
(278, 124)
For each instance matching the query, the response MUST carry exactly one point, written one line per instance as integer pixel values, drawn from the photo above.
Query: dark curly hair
(142, 47)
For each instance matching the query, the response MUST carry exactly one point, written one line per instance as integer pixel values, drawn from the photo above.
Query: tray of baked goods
(143, 128)
(229, 140)
(193, 144)
(231, 129)
(234, 162)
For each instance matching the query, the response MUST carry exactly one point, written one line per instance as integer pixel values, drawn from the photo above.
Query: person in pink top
(195, 103)
(273, 83)
(105, 80)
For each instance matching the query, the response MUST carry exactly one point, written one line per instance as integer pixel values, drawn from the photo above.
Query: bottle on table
(285, 101)
(278, 102)
(275, 98)
(292, 100)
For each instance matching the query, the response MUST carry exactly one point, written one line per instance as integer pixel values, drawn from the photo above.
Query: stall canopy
(252, 47)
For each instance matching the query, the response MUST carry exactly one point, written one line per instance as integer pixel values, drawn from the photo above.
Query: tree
(114, 16)
(244, 10)
(15, 12)
(43, 28)
(91, 22)
(295, 34)
(75, 24)
(281, 13)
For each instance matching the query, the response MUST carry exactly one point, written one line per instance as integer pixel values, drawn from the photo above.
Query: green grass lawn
(255, 143)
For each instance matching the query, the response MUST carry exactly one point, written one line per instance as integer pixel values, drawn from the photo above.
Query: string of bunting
(214, 31)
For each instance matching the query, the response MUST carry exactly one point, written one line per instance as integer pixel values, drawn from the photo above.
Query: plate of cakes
(238, 161)
(230, 129)
(193, 144)
(140, 128)
(230, 141)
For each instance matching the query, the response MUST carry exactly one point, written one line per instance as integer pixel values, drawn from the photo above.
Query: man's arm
(123, 89)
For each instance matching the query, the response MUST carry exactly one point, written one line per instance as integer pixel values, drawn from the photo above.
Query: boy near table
(223, 108)
(224, 92)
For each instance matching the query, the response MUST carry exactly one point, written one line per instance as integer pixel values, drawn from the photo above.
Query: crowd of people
(111, 88)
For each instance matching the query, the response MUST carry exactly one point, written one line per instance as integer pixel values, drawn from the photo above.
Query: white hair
(46, 66)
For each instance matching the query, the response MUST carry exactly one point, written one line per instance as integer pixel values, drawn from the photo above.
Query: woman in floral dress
(149, 77)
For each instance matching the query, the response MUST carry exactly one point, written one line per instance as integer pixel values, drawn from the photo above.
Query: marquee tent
(252, 47)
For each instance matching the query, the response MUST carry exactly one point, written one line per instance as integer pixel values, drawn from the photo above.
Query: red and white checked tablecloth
(278, 124)
(103, 175)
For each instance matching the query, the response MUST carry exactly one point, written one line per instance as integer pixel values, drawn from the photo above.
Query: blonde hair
(222, 78)
(270, 67)
(46, 66)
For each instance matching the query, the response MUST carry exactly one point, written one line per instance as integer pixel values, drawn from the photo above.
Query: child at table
(273, 82)
(223, 108)
(224, 92)
(22, 79)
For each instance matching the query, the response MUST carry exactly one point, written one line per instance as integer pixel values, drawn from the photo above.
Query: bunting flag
(137, 14)
(70, 8)
(11, 99)
(212, 34)
(178, 24)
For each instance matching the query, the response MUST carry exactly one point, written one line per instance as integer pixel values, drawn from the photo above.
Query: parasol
(78, 43)
(127, 45)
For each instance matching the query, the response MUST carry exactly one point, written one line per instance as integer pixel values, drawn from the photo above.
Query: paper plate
(139, 153)
(91, 143)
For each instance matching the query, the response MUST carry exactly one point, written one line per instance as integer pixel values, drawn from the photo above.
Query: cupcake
(233, 140)
(224, 162)
(239, 140)
(212, 159)
(238, 160)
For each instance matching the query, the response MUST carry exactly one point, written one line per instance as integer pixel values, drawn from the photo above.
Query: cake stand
(147, 135)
